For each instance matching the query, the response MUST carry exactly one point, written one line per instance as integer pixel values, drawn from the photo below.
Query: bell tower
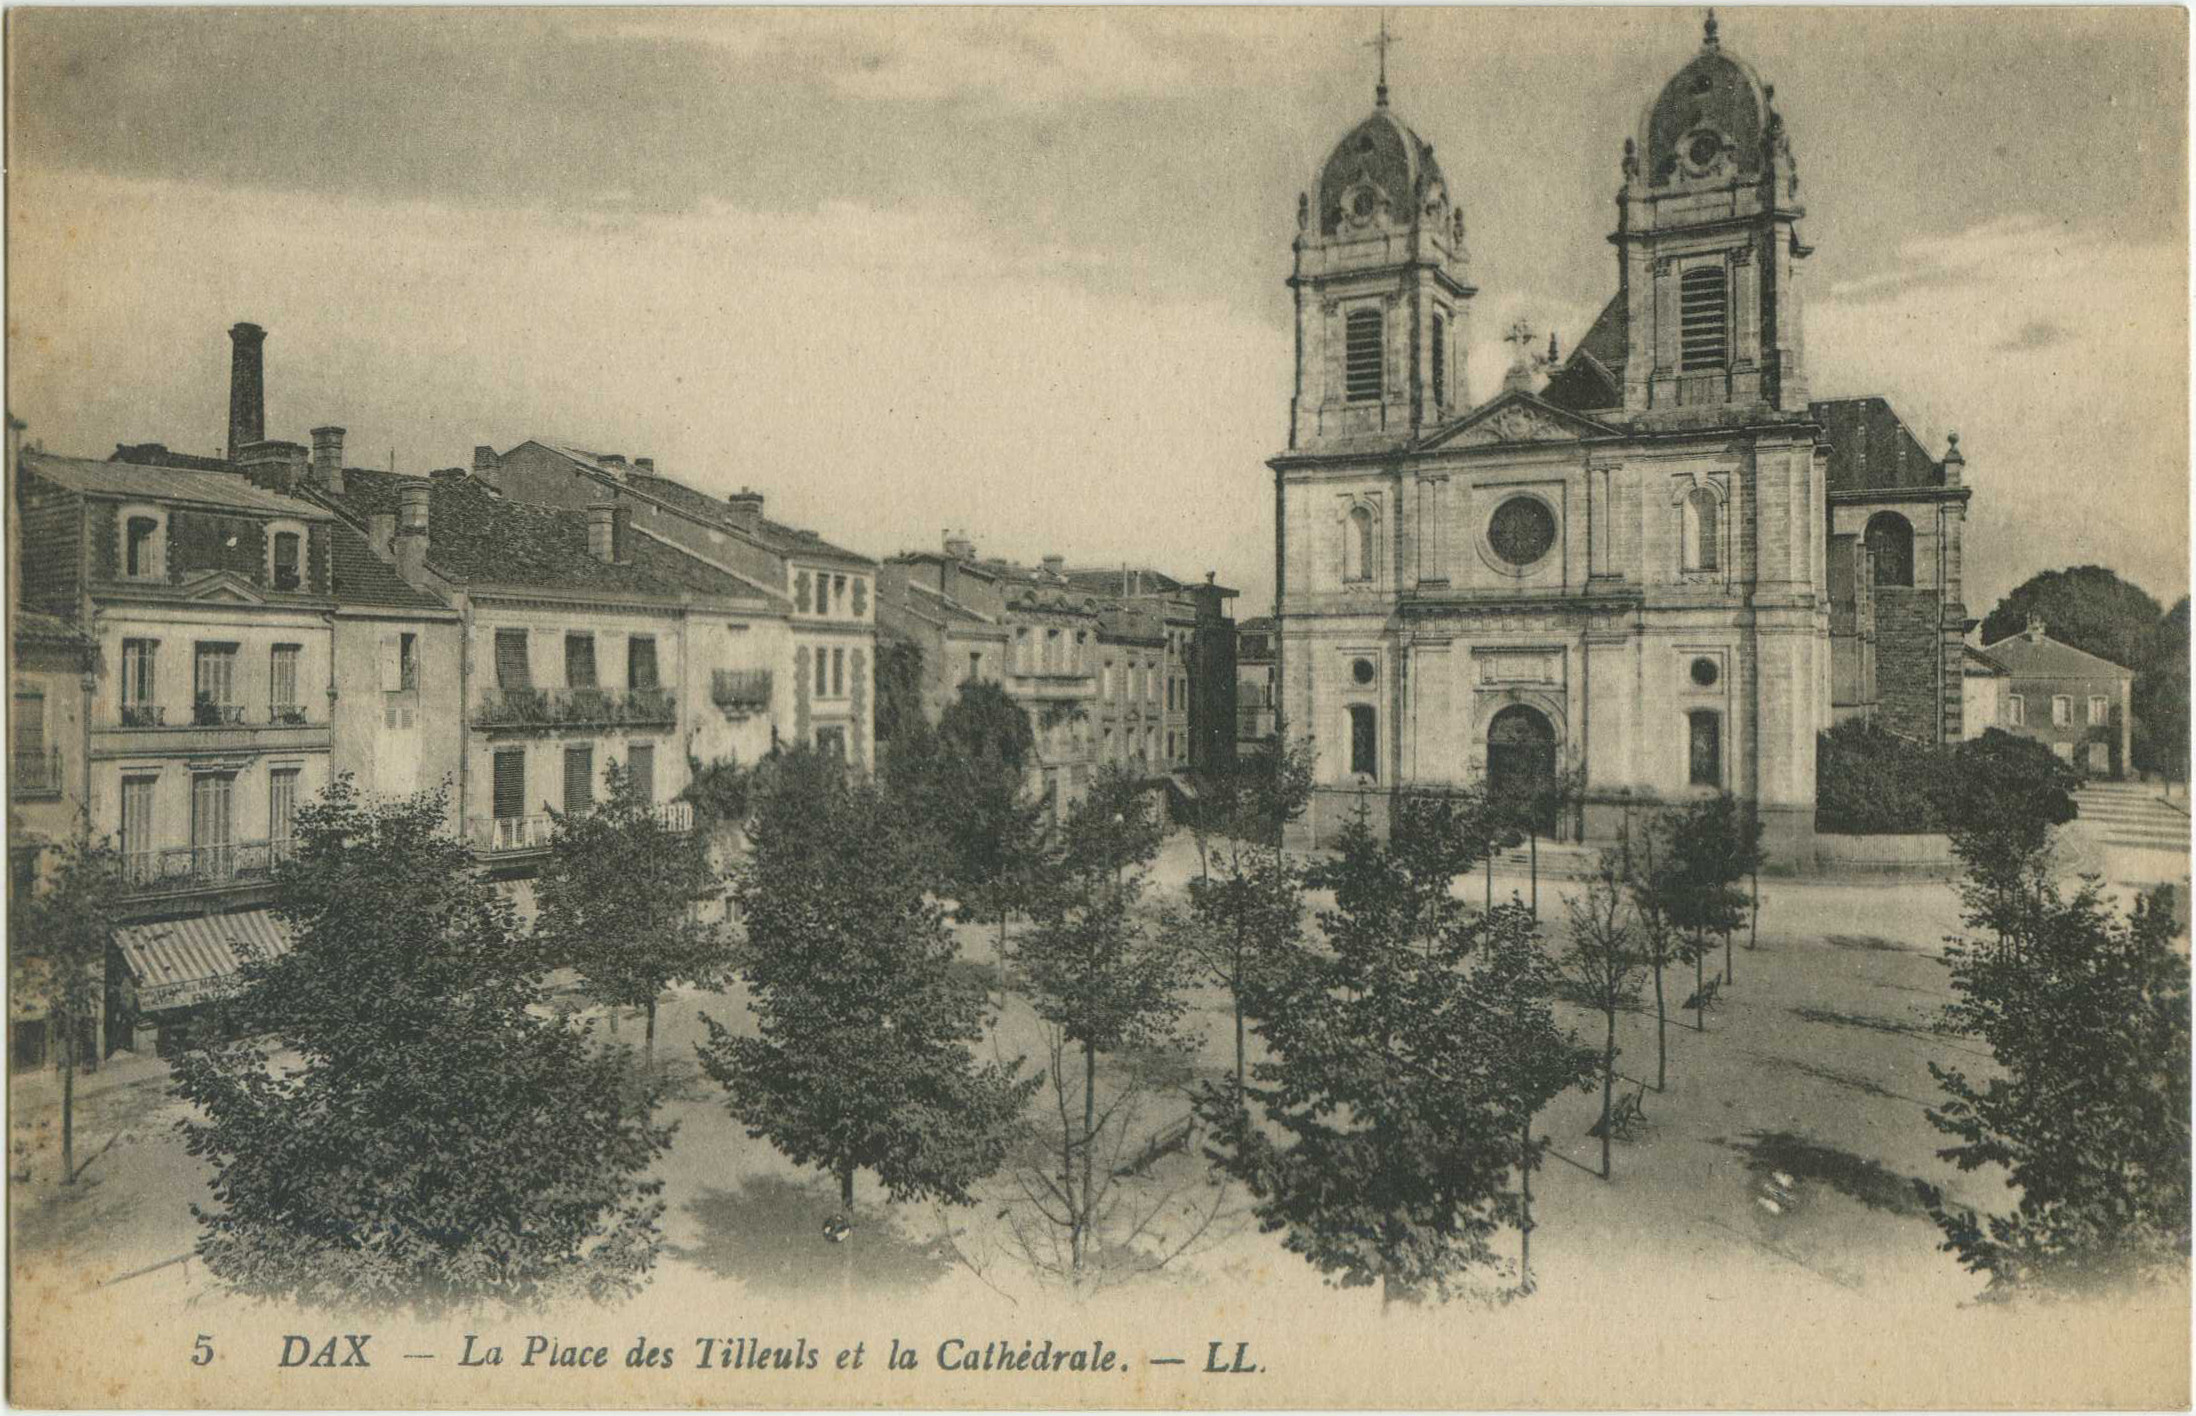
(1709, 248)
(1382, 288)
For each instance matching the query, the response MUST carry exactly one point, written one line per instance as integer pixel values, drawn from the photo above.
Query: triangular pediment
(223, 586)
(1515, 418)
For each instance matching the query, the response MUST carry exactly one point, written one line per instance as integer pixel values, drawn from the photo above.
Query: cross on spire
(1708, 31)
(1381, 43)
(1521, 334)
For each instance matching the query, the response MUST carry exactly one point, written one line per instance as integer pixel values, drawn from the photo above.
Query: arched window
(1361, 356)
(1364, 741)
(1890, 540)
(1703, 533)
(141, 545)
(1703, 323)
(1358, 549)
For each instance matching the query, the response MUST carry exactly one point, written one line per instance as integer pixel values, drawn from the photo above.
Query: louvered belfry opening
(1703, 320)
(1361, 356)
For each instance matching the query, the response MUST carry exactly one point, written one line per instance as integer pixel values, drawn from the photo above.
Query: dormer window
(286, 559)
(1703, 320)
(1362, 362)
(143, 544)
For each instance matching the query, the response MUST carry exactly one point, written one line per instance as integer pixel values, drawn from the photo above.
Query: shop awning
(182, 962)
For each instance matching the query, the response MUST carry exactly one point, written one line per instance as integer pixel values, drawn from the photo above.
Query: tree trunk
(68, 1103)
(1525, 1222)
(1090, 1139)
(1490, 877)
(1608, 1089)
(1700, 988)
(1753, 915)
(1536, 875)
(846, 1188)
(1240, 1070)
(648, 1038)
(1662, 1035)
(1728, 979)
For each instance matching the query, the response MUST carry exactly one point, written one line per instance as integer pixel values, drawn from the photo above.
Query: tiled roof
(31, 627)
(365, 579)
(775, 535)
(478, 537)
(134, 483)
(160, 455)
(2046, 657)
(944, 607)
(1593, 377)
(1871, 449)
(1139, 580)
(1977, 663)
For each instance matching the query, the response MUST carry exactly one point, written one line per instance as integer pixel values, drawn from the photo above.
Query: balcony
(740, 692)
(575, 707)
(34, 773)
(204, 867)
(505, 835)
(143, 729)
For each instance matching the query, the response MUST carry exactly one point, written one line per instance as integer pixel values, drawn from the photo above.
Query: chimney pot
(747, 508)
(247, 387)
(601, 532)
(611, 459)
(328, 458)
(411, 530)
(272, 463)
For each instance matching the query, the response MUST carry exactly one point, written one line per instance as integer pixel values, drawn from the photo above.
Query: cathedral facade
(1659, 570)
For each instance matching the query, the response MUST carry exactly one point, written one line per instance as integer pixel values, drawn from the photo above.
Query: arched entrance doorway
(1521, 761)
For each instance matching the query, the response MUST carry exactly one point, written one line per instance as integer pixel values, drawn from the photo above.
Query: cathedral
(1656, 568)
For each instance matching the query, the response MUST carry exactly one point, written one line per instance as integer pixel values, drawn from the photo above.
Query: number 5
(202, 1351)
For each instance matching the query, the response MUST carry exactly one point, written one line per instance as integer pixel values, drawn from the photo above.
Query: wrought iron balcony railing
(741, 690)
(144, 715)
(199, 867)
(553, 707)
(498, 835)
(34, 772)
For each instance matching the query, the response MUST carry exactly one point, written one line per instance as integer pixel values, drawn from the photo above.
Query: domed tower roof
(1714, 114)
(1381, 163)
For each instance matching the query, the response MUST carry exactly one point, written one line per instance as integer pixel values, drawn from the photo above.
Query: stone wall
(1908, 643)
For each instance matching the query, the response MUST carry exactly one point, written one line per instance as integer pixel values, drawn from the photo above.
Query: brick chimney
(614, 460)
(2035, 630)
(747, 508)
(621, 534)
(381, 533)
(645, 464)
(328, 458)
(272, 464)
(247, 387)
(601, 531)
(413, 500)
(960, 547)
(1056, 567)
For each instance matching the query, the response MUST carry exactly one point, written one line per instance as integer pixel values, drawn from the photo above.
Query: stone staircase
(2133, 814)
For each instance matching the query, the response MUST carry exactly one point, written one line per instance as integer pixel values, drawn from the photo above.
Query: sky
(1021, 273)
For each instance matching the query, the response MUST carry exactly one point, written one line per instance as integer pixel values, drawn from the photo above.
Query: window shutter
(510, 787)
(579, 661)
(640, 765)
(579, 779)
(511, 670)
(640, 662)
(392, 671)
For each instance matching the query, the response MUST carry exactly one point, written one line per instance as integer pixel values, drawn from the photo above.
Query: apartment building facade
(799, 658)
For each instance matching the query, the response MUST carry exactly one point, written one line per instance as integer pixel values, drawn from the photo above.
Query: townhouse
(801, 654)
(2066, 698)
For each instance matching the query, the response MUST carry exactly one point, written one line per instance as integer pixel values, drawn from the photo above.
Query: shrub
(1869, 782)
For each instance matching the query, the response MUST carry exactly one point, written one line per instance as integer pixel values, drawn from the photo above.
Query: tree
(2086, 606)
(1107, 991)
(2087, 1019)
(2159, 699)
(862, 1059)
(899, 679)
(1713, 844)
(1253, 914)
(1662, 941)
(2000, 800)
(60, 934)
(1405, 1072)
(620, 898)
(431, 1136)
(968, 782)
(1601, 968)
